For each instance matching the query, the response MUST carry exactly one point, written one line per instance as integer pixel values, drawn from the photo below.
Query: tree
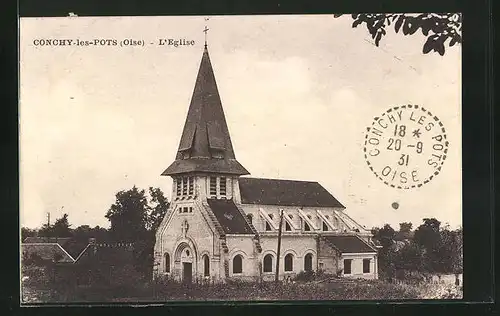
(404, 231)
(437, 27)
(135, 219)
(27, 232)
(410, 257)
(84, 232)
(128, 215)
(405, 227)
(385, 236)
(61, 227)
(158, 208)
(427, 235)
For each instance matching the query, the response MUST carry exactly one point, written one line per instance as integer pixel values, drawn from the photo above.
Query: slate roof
(286, 193)
(47, 251)
(205, 134)
(60, 240)
(349, 244)
(229, 166)
(229, 217)
(71, 245)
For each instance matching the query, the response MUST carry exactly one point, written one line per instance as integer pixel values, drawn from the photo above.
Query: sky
(298, 93)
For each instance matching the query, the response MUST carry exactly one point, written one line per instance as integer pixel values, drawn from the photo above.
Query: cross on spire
(206, 31)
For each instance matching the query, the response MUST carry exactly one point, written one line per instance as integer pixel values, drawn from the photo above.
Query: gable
(285, 193)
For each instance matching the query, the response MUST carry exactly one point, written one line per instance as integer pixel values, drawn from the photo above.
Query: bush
(305, 276)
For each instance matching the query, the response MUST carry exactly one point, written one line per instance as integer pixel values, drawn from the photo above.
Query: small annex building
(223, 224)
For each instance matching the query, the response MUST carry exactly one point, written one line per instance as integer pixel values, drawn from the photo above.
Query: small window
(190, 209)
(268, 227)
(191, 186)
(325, 227)
(366, 265)
(238, 264)
(178, 186)
(287, 227)
(206, 265)
(306, 227)
(184, 185)
(289, 262)
(321, 265)
(166, 262)
(268, 263)
(347, 266)
(222, 186)
(213, 186)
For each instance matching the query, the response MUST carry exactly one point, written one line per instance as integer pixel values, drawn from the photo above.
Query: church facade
(222, 224)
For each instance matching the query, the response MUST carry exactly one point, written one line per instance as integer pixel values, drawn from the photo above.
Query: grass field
(332, 289)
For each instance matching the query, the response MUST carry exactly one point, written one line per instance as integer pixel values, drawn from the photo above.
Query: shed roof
(47, 251)
(229, 217)
(349, 244)
(40, 240)
(286, 193)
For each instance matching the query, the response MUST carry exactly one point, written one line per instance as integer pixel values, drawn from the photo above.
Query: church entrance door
(187, 272)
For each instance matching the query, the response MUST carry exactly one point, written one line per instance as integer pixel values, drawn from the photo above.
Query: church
(222, 224)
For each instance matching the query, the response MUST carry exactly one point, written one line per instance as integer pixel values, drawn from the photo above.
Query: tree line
(429, 249)
(134, 217)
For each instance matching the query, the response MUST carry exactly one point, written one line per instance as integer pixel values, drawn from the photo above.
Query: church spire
(205, 144)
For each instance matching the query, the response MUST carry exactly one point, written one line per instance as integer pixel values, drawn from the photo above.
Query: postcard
(259, 158)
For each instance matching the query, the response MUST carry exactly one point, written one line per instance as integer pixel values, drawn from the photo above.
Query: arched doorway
(185, 257)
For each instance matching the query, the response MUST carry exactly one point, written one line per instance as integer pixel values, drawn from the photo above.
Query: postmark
(406, 146)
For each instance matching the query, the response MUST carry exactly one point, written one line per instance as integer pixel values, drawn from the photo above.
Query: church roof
(229, 217)
(286, 193)
(349, 244)
(205, 143)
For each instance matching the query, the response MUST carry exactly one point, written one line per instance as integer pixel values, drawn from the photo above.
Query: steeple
(205, 144)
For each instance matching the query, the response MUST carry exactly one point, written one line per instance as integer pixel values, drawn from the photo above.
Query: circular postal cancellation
(406, 146)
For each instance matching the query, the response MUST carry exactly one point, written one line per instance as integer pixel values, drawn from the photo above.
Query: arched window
(167, 262)
(268, 263)
(268, 227)
(206, 265)
(306, 227)
(238, 264)
(308, 262)
(289, 262)
(250, 218)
